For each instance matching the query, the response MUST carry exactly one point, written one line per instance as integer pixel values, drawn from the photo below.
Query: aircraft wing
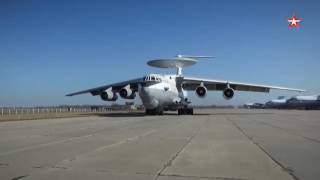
(190, 83)
(116, 86)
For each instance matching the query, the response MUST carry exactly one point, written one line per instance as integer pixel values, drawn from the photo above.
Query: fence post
(2, 111)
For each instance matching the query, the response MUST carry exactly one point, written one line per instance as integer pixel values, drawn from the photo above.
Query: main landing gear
(185, 111)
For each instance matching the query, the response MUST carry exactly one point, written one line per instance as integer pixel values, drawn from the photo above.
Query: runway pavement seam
(52, 143)
(200, 177)
(289, 131)
(170, 161)
(125, 141)
(43, 145)
(273, 137)
(101, 149)
(284, 168)
(114, 171)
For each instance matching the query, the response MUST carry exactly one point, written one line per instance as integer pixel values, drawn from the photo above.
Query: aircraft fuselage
(161, 92)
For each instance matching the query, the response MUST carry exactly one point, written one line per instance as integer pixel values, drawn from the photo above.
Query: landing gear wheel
(185, 111)
(160, 113)
(154, 112)
(150, 112)
(147, 112)
(190, 111)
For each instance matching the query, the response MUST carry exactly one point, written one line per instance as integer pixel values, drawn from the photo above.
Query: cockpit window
(152, 78)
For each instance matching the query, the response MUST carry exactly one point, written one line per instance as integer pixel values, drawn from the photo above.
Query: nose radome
(148, 101)
(145, 90)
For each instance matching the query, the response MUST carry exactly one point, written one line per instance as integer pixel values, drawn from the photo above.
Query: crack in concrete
(38, 167)
(19, 177)
(113, 171)
(59, 167)
(44, 145)
(289, 131)
(144, 173)
(4, 164)
(201, 177)
(100, 149)
(70, 139)
(125, 141)
(286, 169)
(169, 163)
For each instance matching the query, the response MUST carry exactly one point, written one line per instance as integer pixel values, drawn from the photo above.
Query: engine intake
(108, 95)
(228, 93)
(201, 91)
(127, 93)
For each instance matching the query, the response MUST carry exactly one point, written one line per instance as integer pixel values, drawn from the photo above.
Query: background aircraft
(303, 102)
(276, 103)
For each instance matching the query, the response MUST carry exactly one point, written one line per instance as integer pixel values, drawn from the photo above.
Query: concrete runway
(215, 144)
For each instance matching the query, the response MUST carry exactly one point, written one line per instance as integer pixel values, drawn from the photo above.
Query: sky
(51, 48)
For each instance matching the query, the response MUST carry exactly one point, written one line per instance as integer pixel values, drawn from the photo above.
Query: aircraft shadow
(142, 114)
(240, 113)
(122, 114)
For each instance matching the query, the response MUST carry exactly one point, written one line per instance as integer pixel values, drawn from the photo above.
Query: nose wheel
(185, 111)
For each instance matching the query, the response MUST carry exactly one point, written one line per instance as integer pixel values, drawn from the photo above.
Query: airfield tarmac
(213, 144)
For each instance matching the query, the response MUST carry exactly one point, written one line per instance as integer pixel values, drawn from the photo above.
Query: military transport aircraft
(169, 92)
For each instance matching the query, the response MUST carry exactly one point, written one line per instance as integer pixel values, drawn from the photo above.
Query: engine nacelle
(108, 95)
(127, 93)
(228, 93)
(201, 91)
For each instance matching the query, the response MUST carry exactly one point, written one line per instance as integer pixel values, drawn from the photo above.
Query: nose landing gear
(185, 111)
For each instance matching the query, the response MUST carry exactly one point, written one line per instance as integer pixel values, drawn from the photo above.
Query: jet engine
(127, 93)
(108, 95)
(228, 93)
(201, 91)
